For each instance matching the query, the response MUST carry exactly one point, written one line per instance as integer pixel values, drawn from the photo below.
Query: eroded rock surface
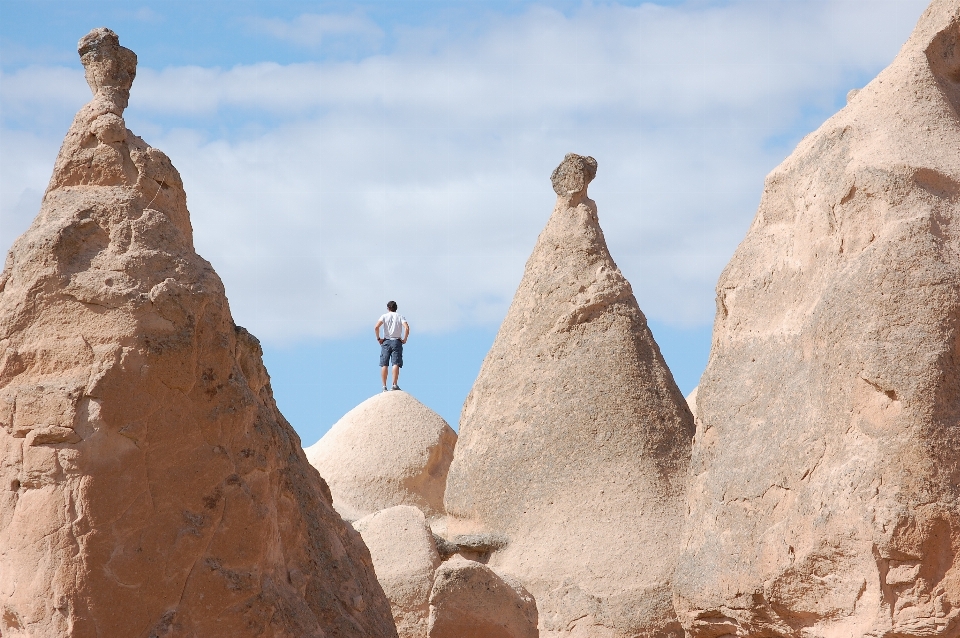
(405, 558)
(575, 440)
(827, 459)
(389, 450)
(150, 486)
(692, 402)
(470, 600)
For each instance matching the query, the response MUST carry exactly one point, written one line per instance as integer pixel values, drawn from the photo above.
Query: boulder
(575, 440)
(389, 450)
(470, 600)
(404, 557)
(826, 473)
(150, 486)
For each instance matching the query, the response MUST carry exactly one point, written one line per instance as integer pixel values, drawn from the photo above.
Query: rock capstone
(150, 486)
(573, 175)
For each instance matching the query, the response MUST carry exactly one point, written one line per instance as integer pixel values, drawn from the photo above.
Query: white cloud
(146, 14)
(422, 174)
(41, 92)
(311, 30)
(26, 161)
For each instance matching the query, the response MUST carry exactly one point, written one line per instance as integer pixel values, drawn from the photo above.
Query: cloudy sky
(339, 154)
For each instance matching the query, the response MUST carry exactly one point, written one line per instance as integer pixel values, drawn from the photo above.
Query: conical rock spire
(574, 440)
(150, 486)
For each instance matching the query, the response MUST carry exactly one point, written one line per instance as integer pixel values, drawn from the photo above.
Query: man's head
(392, 306)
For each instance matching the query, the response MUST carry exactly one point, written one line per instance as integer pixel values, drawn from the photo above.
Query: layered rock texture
(826, 471)
(150, 487)
(389, 450)
(575, 440)
(405, 559)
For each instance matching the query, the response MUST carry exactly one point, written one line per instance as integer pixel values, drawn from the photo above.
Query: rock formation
(150, 486)
(389, 450)
(470, 600)
(405, 558)
(826, 470)
(575, 440)
(692, 402)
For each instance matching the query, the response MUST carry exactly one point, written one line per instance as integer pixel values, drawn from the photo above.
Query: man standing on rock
(396, 331)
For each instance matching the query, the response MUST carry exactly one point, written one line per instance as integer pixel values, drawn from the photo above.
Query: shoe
(384, 388)
(395, 387)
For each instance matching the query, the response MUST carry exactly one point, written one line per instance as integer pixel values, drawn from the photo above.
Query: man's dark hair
(392, 306)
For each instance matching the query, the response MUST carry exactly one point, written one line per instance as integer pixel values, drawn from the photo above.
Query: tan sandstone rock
(692, 402)
(389, 450)
(470, 600)
(405, 558)
(826, 471)
(150, 486)
(575, 440)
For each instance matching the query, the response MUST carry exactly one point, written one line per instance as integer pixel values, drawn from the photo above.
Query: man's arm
(406, 332)
(376, 330)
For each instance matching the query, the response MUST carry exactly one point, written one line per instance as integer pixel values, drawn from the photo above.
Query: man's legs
(397, 361)
(396, 374)
(384, 362)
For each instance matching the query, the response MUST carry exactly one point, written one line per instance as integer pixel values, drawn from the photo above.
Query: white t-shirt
(393, 325)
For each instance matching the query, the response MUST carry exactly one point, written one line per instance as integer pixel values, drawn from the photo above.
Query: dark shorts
(391, 353)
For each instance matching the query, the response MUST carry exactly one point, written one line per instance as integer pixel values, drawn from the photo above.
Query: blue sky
(340, 154)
